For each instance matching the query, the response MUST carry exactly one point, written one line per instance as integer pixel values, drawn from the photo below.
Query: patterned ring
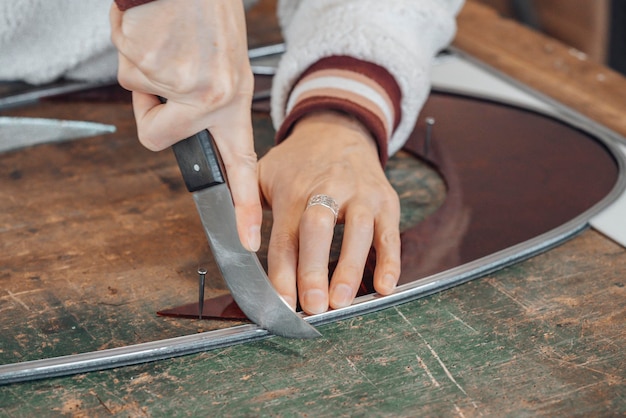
(326, 201)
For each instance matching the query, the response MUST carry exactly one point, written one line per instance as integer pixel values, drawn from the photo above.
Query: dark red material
(511, 175)
(127, 4)
(221, 307)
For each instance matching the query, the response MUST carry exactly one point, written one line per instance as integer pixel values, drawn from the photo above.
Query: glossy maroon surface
(511, 175)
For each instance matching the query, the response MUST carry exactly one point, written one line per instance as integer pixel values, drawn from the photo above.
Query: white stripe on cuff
(345, 84)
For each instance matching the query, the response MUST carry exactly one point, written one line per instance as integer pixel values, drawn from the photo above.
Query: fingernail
(389, 282)
(314, 301)
(341, 296)
(254, 238)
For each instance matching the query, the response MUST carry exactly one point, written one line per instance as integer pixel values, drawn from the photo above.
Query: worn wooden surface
(544, 337)
(99, 234)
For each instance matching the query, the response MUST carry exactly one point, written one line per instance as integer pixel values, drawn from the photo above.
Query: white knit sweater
(401, 35)
(42, 40)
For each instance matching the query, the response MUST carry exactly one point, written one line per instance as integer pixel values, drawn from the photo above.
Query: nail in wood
(430, 122)
(201, 280)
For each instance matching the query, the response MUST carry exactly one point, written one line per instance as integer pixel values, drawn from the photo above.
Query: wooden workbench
(543, 337)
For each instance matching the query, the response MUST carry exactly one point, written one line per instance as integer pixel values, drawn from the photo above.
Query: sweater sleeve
(366, 57)
(362, 89)
(42, 41)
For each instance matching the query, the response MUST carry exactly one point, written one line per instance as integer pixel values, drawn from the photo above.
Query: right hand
(194, 54)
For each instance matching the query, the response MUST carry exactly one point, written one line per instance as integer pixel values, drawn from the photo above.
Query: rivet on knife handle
(199, 162)
(198, 159)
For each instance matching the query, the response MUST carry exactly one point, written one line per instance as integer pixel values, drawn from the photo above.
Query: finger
(144, 104)
(120, 37)
(388, 250)
(115, 21)
(131, 78)
(235, 143)
(282, 255)
(162, 125)
(157, 124)
(316, 235)
(357, 240)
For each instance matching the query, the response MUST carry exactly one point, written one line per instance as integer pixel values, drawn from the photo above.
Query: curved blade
(19, 132)
(244, 275)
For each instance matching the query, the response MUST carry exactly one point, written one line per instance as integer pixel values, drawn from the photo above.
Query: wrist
(345, 84)
(335, 127)
(335, 119)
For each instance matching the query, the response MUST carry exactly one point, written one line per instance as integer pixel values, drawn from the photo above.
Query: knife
(20, 132)
(202, 170)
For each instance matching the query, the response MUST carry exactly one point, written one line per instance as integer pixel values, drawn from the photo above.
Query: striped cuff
(127, 4)
(362, 89)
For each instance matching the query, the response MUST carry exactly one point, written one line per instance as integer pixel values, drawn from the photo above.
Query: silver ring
(326, 201)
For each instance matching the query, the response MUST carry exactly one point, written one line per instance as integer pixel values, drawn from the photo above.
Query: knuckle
(148, 64)
(220, 88)
(145, 141)
(388, 239)
(390, 265)
(124, 80)
(361, 220)
(282, 241)
(217, 94)
(148, 140)
(391, 203)
(312, 274)
(246, 161)
(350, 270)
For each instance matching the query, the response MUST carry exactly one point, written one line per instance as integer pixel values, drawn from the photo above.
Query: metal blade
(17, 132)
(244, 275)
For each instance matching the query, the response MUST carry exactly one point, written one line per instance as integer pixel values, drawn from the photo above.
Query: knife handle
(199, 161)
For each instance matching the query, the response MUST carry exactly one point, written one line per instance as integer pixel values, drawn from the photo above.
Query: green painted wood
(542, 338)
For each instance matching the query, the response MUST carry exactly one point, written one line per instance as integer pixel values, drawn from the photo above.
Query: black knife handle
(199, 161)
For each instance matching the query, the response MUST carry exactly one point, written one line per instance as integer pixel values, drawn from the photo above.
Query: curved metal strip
(173, 347)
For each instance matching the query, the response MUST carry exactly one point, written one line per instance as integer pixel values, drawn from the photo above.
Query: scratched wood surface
(542, 338)
(99, 234)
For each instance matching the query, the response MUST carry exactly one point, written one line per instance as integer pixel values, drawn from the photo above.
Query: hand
(329, 153)
(194, 55)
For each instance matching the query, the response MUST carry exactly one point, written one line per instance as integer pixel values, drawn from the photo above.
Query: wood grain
(542, 338)
(543, 64)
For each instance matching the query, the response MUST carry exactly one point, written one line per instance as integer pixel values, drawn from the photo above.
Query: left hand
(333, 154)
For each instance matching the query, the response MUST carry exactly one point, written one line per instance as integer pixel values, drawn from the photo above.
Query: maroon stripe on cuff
(127, 4)
(375, 72)
(315, 104)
